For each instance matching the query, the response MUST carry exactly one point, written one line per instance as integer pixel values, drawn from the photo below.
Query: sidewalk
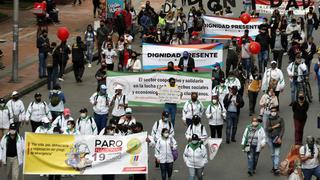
(28, 53)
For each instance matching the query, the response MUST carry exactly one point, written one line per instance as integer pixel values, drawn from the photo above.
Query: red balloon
(245, 18)
(63, 33)
(254, 47)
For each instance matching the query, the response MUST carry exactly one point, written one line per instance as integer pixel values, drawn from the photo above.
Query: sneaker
(233, 140)
(60, 79)
(89, 65)
(276, 172)
(250, 173)
(285, 53)
(228, 142)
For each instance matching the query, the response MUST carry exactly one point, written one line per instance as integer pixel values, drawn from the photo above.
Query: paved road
(230, 162)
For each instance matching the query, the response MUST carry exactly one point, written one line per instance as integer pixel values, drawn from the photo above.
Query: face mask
(69, 126)
(277, 32)
(214, 101)
(194, 141)
(255, 124)
(165, 119)
(110, 133)
(273, 114)
(159, 32)
(301, 98)
(83, 115)
(196, 122)
(15, 98)
(12, 132)
(38, 100)
(166, 135)
(103, 92)
(46, 125)
(2, 104)
(194, 99)
(109, 49)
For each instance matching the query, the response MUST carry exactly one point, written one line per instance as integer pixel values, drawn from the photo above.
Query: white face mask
(165, 119)
(194, 141)
(166, 135)
(12, 132)
(69, 126)
(273, 114)
(83, 115)
(214, 101)
(110, 133)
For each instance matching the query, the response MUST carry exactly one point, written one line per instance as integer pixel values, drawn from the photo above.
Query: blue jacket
(317, 71)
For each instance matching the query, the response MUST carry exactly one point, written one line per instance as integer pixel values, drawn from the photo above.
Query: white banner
(169, 95)
(265, 7)
(204, 55)
(142, 89)
(213, 144)
(86, 155)
(216, 27)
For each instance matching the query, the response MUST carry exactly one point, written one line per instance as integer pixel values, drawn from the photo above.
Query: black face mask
(301, 98)
(15, 98)
(109, 49)
(38, 99)
(196, 122)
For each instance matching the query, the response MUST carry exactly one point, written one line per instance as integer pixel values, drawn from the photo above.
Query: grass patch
(23, 4)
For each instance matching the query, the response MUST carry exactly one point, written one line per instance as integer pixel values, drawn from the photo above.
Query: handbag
(275, 142)
(247, 146)
(174, 152)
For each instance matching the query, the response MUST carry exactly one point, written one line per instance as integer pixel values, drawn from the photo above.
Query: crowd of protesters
(245, 73)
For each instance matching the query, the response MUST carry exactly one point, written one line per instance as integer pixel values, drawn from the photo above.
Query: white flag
(213, 144)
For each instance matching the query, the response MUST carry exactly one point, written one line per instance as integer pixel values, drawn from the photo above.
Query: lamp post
(15, 49)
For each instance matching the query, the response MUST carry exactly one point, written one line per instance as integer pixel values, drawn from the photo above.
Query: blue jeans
(265, 118)
(246, 62)
(52, 77)
(253, 157)
(101, 121)
(309, 30)
(166, 168)
(294, 89)
(275, 154)
(232, 123)
(193, 172)
(89, 52)
(263, 57)
(308, 173)
(172, 110)
(42, 64)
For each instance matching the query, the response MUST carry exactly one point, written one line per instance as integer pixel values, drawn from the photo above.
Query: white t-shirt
(119, 110)
(310, 163)
(109, 55)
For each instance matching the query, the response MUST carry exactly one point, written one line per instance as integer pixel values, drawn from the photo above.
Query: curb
(35, 85)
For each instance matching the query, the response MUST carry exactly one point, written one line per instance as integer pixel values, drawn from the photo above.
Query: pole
(15, 49)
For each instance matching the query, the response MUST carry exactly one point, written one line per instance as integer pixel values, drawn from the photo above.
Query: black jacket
(227, 101)
(43, 44)
(305, 54)
(78, 50)
(190, 66)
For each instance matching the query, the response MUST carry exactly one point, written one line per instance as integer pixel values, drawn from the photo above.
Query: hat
(13, 126)
(45, 119)
(118, 86)
(128, 111)
(273, 62)
(216, 64)
(103, 86)
(195, 137)
(2, 100)
(83, 110)
(223, 80)
(66, 111)
(14, 93)
(37, 94)
(165, 114)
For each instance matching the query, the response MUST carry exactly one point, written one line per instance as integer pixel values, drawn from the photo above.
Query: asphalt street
(230, 162)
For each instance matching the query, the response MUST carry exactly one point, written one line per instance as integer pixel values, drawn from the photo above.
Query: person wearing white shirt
(89, 38)
(134, 64)
(36, 111)
(119, 103)
(86, 124)
(232, 80)
(62, 120)
(191, 108)
(273, 77)
(100, 102)
(196, 128)
(163, 153)
(159, 125)
(291, 28)
(16, 106)
(71, 128)
(216, 114)
(297, 71)
(309, 159)
(12, 152)
(128, 39)
(221, 90)
(46, 127)
(127, 119)
(109, 56)
(5, 118)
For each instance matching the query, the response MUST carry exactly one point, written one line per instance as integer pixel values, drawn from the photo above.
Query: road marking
(9, 33)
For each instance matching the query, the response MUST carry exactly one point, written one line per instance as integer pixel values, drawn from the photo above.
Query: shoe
(250, 114)
(276, 172)
(250, 173)
(290, 104)
(228, 142)
(60, 79)
(254, 171)
(233, 140)
(89, 65)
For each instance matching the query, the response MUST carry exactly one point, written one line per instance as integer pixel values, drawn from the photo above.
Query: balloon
(254, 47)
(245, 18)
(63, 33)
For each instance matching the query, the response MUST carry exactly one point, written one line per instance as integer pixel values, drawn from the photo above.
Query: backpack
(55, 99)
(90, 118)
(169, 125)
(201, 128)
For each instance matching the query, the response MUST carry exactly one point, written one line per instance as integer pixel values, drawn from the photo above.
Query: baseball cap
(66, 111)
(13, 126)
(118, 86)
(37, 94)
(83, 110)
(273, 62)
(128, 111)
(14, 93)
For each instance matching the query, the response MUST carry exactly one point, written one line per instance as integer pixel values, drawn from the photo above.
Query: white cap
(128, 111)
(14, 93)
(103, 86)
(273, 62)
(45, 119)
(118, 86)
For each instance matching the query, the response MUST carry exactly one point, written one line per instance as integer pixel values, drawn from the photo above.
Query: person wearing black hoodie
(78, 50)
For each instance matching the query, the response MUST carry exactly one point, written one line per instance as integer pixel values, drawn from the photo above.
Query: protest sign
(299, 7)
(216, 27)
(142, 89)
(85, 155)
(213, 144)
(169, 95)
(204, 55)
(113, 6)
